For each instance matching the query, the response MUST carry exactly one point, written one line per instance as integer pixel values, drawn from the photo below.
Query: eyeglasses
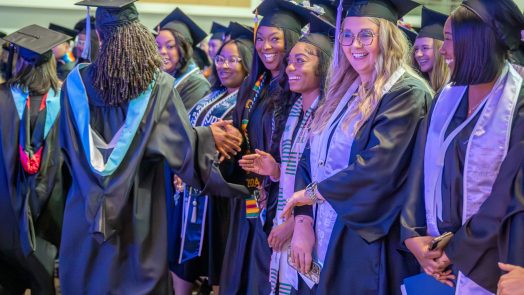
(364, 37)
(232, 60)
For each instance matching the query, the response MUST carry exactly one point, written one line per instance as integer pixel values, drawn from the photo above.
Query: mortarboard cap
(391, 10)
(503, 16)
(281, 14)
(81, 24)
(63, 30)
(217, 31)
(321, 34)
(329, 7)
(411, 35)
(177, 20)
(112, 12)
(35, 43)
(240, 31)
(432, 25)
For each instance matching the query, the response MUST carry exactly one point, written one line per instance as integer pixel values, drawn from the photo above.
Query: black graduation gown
(44, 193)
(511, 235)
(193, 88)
(129, 204)
(245, 269)
(209, 263)
(363, 256)
(473, 249)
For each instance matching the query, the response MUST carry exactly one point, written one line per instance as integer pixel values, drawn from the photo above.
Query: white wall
(15, 14)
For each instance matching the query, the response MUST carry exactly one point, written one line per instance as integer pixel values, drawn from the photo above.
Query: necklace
(472, 109)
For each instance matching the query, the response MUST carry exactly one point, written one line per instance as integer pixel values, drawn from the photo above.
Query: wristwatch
(312, 193)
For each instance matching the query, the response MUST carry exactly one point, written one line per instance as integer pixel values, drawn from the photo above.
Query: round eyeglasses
(364, 37)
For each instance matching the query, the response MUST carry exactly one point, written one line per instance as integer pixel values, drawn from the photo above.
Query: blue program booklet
(427, 285)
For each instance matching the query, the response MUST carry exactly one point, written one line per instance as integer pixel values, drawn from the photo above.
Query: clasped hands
(228, 139)
(434, 262)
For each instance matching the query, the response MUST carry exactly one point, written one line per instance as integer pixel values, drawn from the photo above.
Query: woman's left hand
(298, 199)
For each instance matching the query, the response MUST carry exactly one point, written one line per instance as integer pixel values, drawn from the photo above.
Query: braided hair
(127, 62)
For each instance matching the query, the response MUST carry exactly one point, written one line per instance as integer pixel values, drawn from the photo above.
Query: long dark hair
(245, 50)
(184, 48)
(127, 62)
(281, 99)
(35, 79)
(479, 55)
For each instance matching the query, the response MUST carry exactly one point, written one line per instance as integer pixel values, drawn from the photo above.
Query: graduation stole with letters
(31, 145)
(252, 182)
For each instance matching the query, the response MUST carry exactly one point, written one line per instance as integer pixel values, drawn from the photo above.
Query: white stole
(487, 147)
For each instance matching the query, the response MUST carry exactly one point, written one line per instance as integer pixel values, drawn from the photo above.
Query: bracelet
(312, 193)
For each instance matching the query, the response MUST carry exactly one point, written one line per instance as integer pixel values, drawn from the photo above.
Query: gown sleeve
(302, 179)
(190, 152)
(365, 195)
(413, 216)
(193, 89)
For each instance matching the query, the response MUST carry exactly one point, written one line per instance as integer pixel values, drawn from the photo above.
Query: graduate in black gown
(460, 147)
(362, 137)
(117, 130)
(306, 69)
(260, 115)
(32, 187)
(197, 241)
(177, 37)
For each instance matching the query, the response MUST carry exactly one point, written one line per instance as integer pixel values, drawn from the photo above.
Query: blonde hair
(393, 42)
(438, 77)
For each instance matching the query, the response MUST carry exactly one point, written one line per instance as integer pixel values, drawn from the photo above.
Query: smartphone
(440, 242)
(314, 272)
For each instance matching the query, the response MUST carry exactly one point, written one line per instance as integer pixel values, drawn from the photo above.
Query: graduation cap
(432, 24)
(329, 7)
(391, 10)
(218, 31)
(81, 24)
(177, 20)
(35, 43)
(503, 16)
(411, 35)
(240, 31)
(321, 34)
(111, 12)
(282, 14)
(63, 30)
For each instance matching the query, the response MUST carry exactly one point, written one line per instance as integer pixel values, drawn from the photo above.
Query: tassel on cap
(337, 33)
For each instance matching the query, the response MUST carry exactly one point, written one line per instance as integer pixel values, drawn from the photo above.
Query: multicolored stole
(291, 152)
(487, 147)
(252, 181)
(121, 140)
(213, 107)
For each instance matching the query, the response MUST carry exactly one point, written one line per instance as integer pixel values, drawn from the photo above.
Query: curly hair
(127, 63)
